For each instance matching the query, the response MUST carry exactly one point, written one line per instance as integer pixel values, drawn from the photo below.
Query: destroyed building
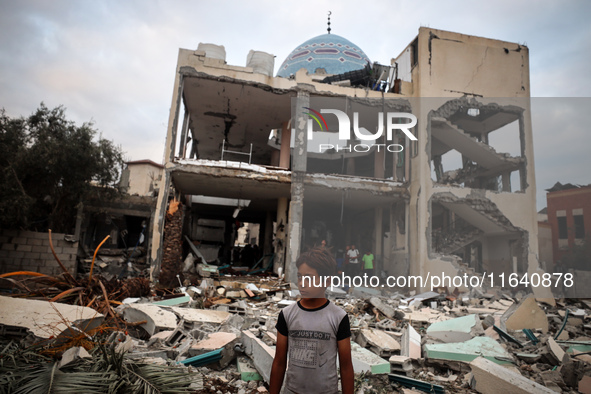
(447, 202)
(569, 216)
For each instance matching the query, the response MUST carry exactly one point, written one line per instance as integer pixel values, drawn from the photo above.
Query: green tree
(48, 165)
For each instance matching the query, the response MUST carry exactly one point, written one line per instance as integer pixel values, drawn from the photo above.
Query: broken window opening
(562, 228)
(579, 226)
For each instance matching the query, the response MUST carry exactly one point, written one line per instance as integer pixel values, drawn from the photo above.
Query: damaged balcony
(464, 138)
(476, 230)
(231, 119)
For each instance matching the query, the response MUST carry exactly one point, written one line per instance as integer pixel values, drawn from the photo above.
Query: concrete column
(350, 166)
(268, 234)
(280, 239)
(285, 152)
(506, 180)
(162, 204)
(379, 161)
(299, 162)
(275, 158)
(395, 160)
(184, 131)
(173, 119)
(407, 155)
(158, 227)
(379, 237)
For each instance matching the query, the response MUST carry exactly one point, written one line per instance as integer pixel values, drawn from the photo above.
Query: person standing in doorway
(368, 263)
(353, 255)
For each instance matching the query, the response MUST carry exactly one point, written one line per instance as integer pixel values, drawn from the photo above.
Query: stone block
(8, 247)
(157, 319)
(378, 342)
(16, 254)
(73, 354)
(24, 248)
(40, 249)
(456, 330)
(261, 355)
(34, 242)
(365, 360)
(380, 305)
(491, 378)
(411, 343)
(224, 340)
(37, 235)
(19, 240)
(196, 317)
(555, 351)
(526, 314)
(400, 364)
(160, 337)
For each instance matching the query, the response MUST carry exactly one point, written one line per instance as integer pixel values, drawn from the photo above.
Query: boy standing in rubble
(313, 332)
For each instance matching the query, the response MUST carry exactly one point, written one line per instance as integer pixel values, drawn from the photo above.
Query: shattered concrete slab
(456, 330)
(380, 305)
(425, 315)
(224, 340)
(261, 355)
(468, 351)
(553, 380)
(526, 314)
(157, 319)
(46, 319)
(73, 354)
(411, 343)
(555, 351)
(197, 316)
(491, 378)
(378, 342)
(365, 360)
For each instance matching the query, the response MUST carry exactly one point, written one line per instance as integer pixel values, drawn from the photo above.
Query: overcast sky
(113, 62)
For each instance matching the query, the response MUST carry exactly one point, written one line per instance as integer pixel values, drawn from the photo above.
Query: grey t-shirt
(312, 336)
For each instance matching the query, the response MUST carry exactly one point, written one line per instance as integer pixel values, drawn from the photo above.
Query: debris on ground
(215, 333)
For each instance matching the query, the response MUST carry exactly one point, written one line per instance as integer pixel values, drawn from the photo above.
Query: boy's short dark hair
(320, 259)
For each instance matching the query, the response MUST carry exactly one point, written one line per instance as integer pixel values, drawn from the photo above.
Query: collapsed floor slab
(468, 351)
(46, 319)
(456, 330)
(491, 378)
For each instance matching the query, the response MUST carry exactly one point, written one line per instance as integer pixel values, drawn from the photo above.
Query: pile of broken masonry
(222, 331)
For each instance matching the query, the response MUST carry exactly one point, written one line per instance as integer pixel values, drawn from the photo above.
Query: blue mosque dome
(333, 53)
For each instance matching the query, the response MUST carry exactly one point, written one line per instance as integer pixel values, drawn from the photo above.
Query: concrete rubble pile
(113, 263)
(224, 328)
